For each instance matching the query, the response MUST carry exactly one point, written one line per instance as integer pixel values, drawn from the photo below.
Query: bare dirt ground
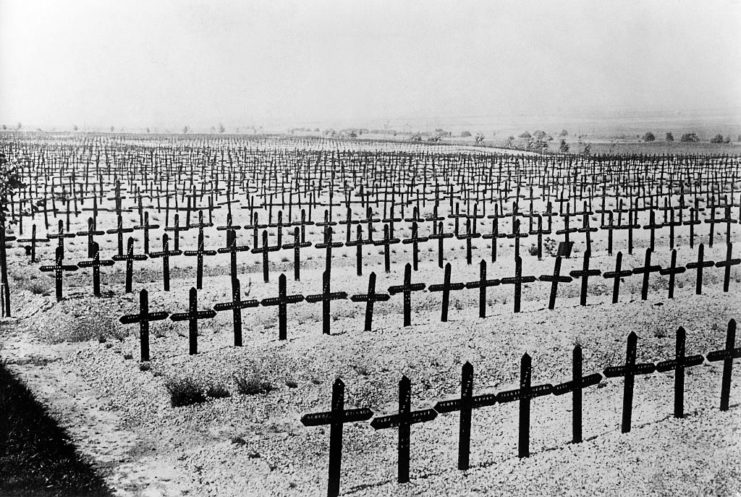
(83, 363)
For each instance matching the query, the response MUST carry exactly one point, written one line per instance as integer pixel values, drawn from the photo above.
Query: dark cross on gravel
(119, 232)
(130, 257)
(678, 365)
(146, 227)
(386, 242)
(236, 306)
(326, 297)
(516, 234)
(59, 268)
(482, 284)
(699, 265)
(525, 394)
(60, 235)
(328, 245)
(232, 248)
(471, 235)
(555, 279)
(584, 275)
(465, 404)
(336, 418)
(727, 265)
(616, 276)
(33, 241)
(726, 355)
(517, 281)
(166, 253)
(575, 386)
(370, 298)
(672, 271)
(440, 236)
(646, 271)
(297, 245)
(193, 316)
(446, 288)
(358, 244)
(407, 288)
(90, 234)
(143, 318)
(282, 301)
(264, 251)
(176, 229)
(415, 240)
(404, 419)
(628, 372)
(199, 257)
(95, 264)
(493, 236)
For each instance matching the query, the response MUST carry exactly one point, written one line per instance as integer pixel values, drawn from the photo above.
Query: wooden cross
(370, 298)
(232, 248)
(143, 318)
(517, 281)
(236, 306)
(33, 241)
(59, 268)
(672, 271)
(296, 246)
(584, 274)
(482, 284)
(525, 394)
(726, 355)
(516, 235)
(119, 232)
(646, 271)
(415, 240)
(628, 372)
(610, 227)
(727, 265)
(358, 244)
(176, 229)
(326, 297)
(282, 301)
(404, 419)
(407, 288)
(90, 234)
(465, 404)
(555, 279)
(440, 236)
(60, 235)
(328, 245)
(699, 265)
(95, 264)
(146, 227)
(652, 225)
(336, 418)
(166, 253)
(264, 251)
(130, 257)
(199, 257)
(678, 364)
(193, 316)
(386, 242)
(616, 276)
(446, 288)
(575, 386)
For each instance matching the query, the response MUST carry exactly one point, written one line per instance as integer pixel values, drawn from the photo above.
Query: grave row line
(193, 315)
(467, 402)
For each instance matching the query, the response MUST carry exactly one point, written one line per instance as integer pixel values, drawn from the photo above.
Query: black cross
(119, 232)
(199, 257)
(335, 418)
(726, 355)
(646, 271)
(59, 268)
(407, 288)
(517, 281)
(465, 404)
(90, 234)
(584, 274)
(727, 265)
(370, 298)
(328, 245)
(628, 372)
(678, 364)
(610, 227)
(482, 284)
(493, 236)
(95, 264)
(516, 235)
(282, 301)
(143, 318)
(33, 241)
(130, 257)
(60, 236)
(524, 394)
(575, 386)
(358, 243)
(404, 419)
(296, 246)
(672, 271)
(232, 248)
(236, 306)
(446, 288)
(440, 239)
(471, 235)
(386, 242)
(193, 316)
(555, 279)
(264, 251)
(165, 254)
(616, 276)
(652, 225)
(326, 297)
(699, 265)
(177, 229)
(415, 240)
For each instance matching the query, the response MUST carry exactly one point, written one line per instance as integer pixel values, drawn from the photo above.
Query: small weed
(217, 391)
(252, 385)
(184, 392)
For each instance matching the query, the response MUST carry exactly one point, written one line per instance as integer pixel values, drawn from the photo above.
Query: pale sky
(169, 63)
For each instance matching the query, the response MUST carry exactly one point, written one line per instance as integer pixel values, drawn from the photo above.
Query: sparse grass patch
(218, 391)
(252, 385)
(184, 392)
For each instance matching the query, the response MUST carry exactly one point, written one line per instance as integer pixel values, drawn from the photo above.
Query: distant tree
(185, 129)
(563, 147)
(526, 135)
(717, 139)
(465, 134)
(669, 137)
(479, 138)
(649, 137)
(510, 142)
(539, 135)
(563, 133)
(727, 139)
(221, 129)
(689, 137)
